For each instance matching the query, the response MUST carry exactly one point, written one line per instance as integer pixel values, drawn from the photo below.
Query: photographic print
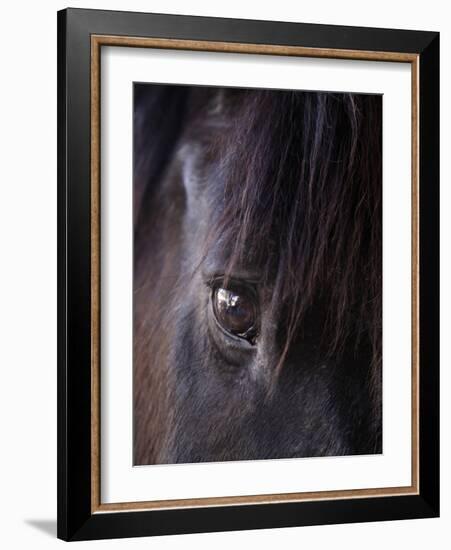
(248, 296)
(257, 276)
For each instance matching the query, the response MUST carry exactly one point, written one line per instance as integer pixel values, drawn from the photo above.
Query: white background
(119, 481)
(28, 274)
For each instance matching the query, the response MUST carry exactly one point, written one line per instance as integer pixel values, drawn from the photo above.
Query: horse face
(240, 383)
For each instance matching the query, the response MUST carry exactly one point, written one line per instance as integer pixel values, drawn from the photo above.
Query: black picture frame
(76, 520)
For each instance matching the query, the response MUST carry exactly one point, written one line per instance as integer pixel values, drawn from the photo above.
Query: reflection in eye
(236, 312)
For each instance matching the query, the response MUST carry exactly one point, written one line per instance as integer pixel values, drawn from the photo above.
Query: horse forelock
(301, 197)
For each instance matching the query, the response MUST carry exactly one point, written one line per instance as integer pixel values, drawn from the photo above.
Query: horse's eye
(236, 312)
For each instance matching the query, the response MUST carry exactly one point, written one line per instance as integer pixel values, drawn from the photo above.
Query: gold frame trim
(97, 41)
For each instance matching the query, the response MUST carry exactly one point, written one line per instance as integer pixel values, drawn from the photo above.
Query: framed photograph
(248, 274)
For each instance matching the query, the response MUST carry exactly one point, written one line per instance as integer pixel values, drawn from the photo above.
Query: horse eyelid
(233, 282)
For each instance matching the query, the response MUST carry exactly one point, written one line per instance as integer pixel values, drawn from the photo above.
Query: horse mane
(303, 198)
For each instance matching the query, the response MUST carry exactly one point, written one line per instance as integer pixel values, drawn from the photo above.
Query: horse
(257, 297)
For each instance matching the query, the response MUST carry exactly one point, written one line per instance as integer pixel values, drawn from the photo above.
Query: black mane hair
(303, 198)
